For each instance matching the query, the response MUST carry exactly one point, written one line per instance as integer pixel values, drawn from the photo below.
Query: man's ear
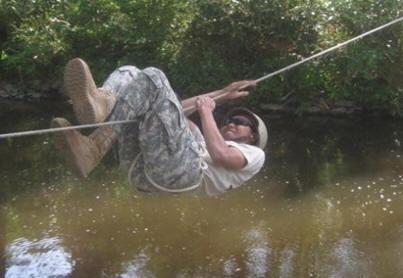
(253, 138)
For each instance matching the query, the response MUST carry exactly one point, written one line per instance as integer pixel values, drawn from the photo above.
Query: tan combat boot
(90, 104)
(83, 153)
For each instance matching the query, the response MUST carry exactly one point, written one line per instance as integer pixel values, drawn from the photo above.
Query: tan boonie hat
(261, 128)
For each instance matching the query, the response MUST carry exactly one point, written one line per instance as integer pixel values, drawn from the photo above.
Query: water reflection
(38, 258)
(230, 267)
(137, 267)
(348, 261)
(257, 254)
(287, 263)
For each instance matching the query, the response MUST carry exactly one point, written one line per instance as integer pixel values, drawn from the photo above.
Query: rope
(329, 50)
(277, 72)
(188, 109)
(58, 129)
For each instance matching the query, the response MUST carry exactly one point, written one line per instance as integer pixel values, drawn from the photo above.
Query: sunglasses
(238, 121)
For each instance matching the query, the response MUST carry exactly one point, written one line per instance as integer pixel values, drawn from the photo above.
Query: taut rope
(58, 129)
(192, 108)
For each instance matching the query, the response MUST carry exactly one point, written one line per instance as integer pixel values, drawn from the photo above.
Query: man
(162, 150)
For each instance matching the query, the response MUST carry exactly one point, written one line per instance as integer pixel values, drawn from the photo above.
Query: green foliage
(112, 33)
(368, 72)
(43, 35)
(35, 39)
(243, 39)
(202, 45)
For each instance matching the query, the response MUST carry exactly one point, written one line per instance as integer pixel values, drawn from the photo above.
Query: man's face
(237, 128)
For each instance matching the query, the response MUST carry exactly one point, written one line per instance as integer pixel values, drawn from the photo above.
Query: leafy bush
(243, 39)
(43, 35)
(36, 39)
(368, 71)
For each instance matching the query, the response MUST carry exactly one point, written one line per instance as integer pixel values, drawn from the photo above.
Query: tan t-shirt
(219, 179)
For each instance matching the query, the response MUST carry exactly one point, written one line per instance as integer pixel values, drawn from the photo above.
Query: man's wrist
(205, 112)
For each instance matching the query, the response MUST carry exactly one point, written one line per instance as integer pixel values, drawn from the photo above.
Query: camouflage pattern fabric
(169, 153)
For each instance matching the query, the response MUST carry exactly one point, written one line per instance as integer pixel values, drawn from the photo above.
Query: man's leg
(92, 105)
(118, 82)
(83, 153)
(168, 148)
(170, 154)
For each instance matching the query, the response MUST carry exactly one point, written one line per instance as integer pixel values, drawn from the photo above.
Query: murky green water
(328, 204)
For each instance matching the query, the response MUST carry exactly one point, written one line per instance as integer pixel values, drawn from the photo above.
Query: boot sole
(66, 146)
(77, 83)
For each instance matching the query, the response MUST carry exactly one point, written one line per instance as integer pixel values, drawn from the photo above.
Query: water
(328, 204)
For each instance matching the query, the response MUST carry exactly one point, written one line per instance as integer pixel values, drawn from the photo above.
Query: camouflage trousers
(159, 150)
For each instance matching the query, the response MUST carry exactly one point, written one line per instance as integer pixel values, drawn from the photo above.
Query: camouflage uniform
(159, 150)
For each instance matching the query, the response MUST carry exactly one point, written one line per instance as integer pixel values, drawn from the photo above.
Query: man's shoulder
(249, 151)
(244, 146)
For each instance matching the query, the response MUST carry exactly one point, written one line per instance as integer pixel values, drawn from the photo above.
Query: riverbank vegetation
(203, 45)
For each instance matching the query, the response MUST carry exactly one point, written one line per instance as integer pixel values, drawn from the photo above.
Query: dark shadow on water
(312, 151)
(31, 160)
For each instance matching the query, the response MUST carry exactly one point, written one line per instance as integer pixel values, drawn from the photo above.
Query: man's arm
(232, 91)
(220, 153)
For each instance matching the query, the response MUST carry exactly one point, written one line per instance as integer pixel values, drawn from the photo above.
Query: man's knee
(118, 80)
(158, 77)
(154, 72)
